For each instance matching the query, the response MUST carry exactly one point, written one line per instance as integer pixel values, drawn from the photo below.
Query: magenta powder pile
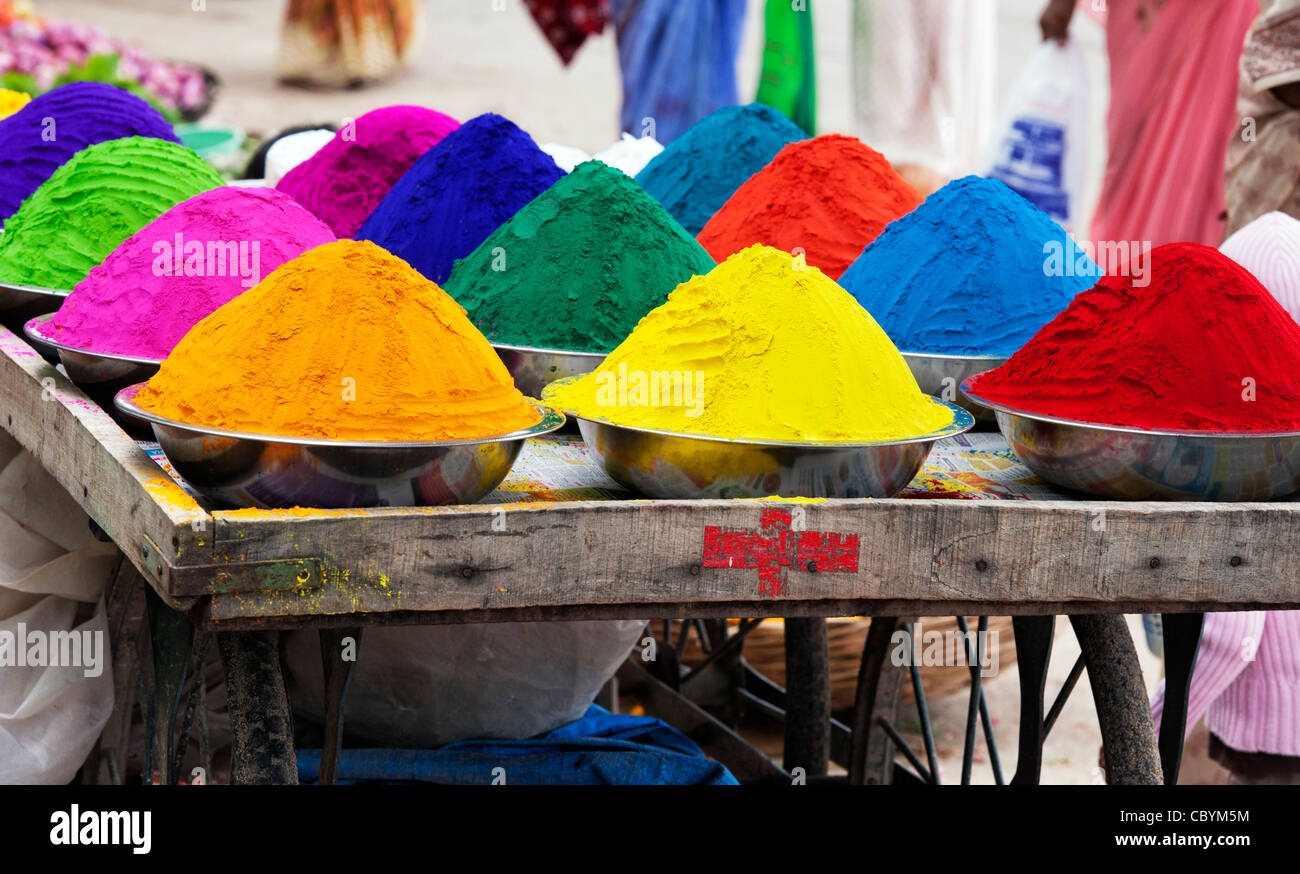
(180, 267)
(344, 182)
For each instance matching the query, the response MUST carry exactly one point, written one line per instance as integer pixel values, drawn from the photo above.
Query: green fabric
(788, 79)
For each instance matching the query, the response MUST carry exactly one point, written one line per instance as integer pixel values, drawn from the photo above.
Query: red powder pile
(828, 196)
(1202, 347)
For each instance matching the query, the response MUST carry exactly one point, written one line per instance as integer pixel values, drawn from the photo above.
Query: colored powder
(42, 136)
(91, 204)
(12, 101)
(699, 171)
(827, 197)
(970, 271)
(775, 351)
(344, 181)
(578, 267)
(345, 342)
(1202, 347)
(630, 154)
(181, 266)
(1269, 247)
(458, 192)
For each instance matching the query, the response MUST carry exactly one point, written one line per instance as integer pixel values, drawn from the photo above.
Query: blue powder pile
(458, 193)
(42, 136)
(975, 270)
(699, 171)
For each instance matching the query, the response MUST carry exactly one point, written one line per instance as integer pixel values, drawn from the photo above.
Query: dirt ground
(479, 56)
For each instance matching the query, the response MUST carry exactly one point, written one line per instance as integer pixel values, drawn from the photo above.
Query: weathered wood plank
(96, 461)
(650, 553)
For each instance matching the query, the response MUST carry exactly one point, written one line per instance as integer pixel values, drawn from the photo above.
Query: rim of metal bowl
(35, 289)
(552, 419)
(32, 330)
(948, 357)
(962, 421)
(538, 350)
(1120, 429)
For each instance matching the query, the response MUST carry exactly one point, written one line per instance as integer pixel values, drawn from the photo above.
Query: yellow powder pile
(763, 347)
(12, 101)
(346, 342)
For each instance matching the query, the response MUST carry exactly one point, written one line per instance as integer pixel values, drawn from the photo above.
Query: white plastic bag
(50, 717)
(1040, 142)
(425, 686)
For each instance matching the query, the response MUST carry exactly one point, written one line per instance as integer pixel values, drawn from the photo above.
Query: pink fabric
(1173, 74)
(1247, 675)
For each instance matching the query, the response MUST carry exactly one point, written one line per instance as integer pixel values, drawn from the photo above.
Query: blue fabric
(600, 749)
(678, 61)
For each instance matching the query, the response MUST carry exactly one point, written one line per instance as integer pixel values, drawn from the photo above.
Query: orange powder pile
(345, 342)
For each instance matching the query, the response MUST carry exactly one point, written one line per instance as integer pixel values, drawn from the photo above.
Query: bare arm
(1055, 20)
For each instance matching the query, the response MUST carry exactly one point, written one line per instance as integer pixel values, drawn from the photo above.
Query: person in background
(924, 80)
(678, 62)
(1247, 676)
(1264, 152)
(787, 79)
(346, 43)
(1172, 106)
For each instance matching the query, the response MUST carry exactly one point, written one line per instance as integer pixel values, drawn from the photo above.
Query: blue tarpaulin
(600, 749)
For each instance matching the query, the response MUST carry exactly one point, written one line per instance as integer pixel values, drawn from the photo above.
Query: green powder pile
(91, 204)
(578, 267)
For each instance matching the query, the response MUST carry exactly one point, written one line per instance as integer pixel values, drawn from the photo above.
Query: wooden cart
(246, 575)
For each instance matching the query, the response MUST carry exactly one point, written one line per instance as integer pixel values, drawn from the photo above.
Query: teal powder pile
(578, 267)
(697, 172)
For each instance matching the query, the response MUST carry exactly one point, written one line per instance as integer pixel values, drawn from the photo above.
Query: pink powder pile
(180, 267)
(344, 182)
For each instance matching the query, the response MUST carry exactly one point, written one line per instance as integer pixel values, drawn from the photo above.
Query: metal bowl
(662, 464)
(18, 296)
(534, 369)
(238, 469)
(942, 376)
(1133, 464)
(18, 303)
(101, 375)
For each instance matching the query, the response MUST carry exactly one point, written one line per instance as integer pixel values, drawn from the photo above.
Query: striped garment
(1247, 675)
(1269, 247)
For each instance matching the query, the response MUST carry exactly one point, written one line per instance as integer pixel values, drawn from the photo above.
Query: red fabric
(566, 24)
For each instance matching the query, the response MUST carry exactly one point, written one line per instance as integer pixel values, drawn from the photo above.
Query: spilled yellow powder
(12, 101)
(346, 342)
(785, 354)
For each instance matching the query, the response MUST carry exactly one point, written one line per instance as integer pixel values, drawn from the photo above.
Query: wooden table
(245, 573)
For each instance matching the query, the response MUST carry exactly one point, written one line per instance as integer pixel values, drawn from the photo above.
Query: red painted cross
(774, 548)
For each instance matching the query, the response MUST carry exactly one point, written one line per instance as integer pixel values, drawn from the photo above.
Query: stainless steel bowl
(942, 376)
(100, 375)
(534, 369)
(18, 303)
(18, 296)
(1133, 464)
(258, 470)
(662, 464)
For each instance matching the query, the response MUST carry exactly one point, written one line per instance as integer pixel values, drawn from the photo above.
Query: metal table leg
(338, 652)
(1034, 635)
(1182, 637)
(807, 697)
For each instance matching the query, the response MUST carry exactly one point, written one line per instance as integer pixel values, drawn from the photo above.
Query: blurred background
(466, 57)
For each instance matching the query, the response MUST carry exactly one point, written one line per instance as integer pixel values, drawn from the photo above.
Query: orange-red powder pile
(828, 197)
